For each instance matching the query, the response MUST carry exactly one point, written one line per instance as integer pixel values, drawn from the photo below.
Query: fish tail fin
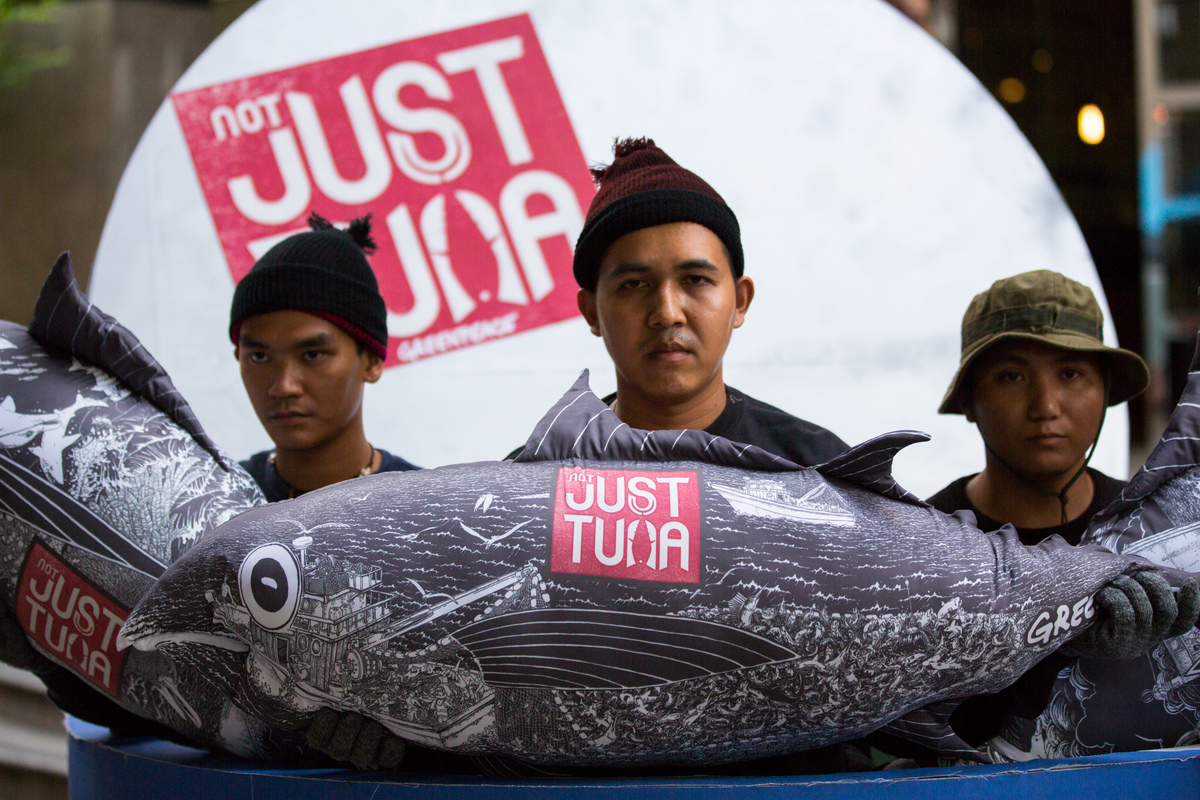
(64, 319)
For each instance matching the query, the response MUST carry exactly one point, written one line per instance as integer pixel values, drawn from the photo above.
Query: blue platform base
(102, 768)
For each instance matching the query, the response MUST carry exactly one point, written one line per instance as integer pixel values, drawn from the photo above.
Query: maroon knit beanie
(642, 188)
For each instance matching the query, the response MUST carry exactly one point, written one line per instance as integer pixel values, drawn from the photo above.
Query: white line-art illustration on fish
(629, 593)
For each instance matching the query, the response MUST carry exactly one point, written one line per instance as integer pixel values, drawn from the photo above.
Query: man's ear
(745, 296)
(586, 300)
(969, 400)
(237, 352)
(374, 368)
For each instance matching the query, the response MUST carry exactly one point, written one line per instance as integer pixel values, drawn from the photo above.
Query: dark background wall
(67, 133)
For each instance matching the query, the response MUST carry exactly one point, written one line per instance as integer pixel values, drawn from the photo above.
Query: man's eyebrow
(697, 263)
(634, 268)
(316, 340)
(1009, 359)
(628, 268)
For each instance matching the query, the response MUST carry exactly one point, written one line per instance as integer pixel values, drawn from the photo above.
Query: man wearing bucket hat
(1036, 379)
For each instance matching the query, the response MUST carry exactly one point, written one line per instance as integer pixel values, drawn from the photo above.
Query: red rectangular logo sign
(70, 618)
(458, 144)
(627, 524)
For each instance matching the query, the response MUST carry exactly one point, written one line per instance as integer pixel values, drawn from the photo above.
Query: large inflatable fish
(105, 478)
(616, 597)
(1103, 706)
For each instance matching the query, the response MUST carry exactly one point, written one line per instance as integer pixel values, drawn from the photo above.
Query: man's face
(666, 303)
(1038, 406)
(304, 376)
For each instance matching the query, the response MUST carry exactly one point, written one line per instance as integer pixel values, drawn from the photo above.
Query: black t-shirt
(954, 498)
(275, 488)
(983, 717)
(751, 421)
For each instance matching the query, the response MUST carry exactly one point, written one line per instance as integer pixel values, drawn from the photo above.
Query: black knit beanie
(642, 188)
(323, 272)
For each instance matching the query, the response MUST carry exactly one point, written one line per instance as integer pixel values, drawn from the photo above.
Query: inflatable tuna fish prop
(619, 598)
(1103, 706)
(105, 478)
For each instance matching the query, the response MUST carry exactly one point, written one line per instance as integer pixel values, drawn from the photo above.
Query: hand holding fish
(351, 737)
(1137, 612)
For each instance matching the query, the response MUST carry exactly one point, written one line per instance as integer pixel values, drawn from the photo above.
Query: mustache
(680, 338)
(287, 409)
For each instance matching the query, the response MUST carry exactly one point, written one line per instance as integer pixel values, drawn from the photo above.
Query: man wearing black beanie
(309, 329)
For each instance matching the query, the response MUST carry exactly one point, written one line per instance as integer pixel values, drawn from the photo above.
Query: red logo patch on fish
(642, 526)
(459, 145)
(70, 618)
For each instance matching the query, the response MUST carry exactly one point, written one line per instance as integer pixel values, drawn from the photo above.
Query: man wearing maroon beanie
(660, 268)
(660, 271)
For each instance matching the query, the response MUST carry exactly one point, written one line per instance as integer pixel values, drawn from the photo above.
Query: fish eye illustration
(270, 582)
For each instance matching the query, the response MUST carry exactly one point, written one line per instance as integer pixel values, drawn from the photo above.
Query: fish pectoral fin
(929, 727)
(151, 642)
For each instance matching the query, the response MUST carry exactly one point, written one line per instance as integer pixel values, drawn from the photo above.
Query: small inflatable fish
(1104, 706)
(624, 598)
(105, 478)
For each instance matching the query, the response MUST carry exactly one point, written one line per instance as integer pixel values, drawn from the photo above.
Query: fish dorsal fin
(870, 465)
(581, 426)
(65, 320)
(1177, 452)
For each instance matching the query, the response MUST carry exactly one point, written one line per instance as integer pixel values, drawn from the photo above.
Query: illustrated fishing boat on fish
(767, 498)
(338, 639)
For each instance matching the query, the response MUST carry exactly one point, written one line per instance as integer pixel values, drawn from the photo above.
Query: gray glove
(347, 736)
(1135, 613)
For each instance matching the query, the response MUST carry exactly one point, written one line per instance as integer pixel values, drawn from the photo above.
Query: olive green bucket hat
(1047, 307)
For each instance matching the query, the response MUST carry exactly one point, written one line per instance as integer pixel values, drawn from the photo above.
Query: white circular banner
(878, 186)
